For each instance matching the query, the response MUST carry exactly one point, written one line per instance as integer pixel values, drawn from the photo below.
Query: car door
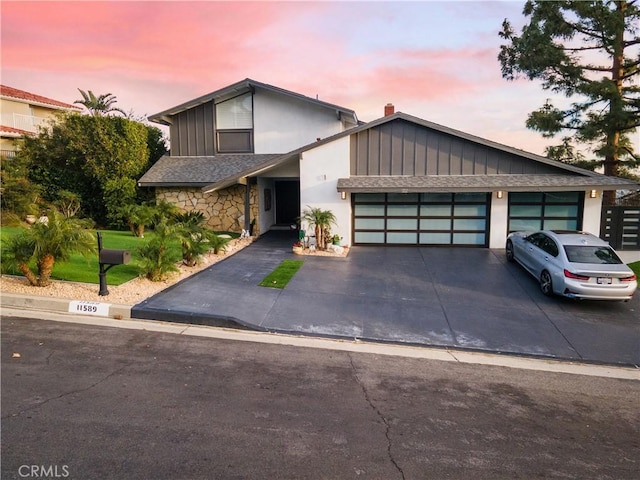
(544, 255)
(528, 254)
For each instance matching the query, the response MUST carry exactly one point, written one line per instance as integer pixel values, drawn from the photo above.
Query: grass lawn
(282, 274)
(85, 269)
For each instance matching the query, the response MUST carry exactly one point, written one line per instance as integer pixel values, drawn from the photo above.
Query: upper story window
(234, 125)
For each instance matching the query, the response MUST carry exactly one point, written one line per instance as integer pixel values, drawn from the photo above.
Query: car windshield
(591, 254)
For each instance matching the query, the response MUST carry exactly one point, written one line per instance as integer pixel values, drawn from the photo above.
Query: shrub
(46, 242)
(157, 260)
(217, 243)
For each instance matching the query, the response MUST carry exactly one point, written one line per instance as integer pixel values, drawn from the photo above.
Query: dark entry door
(287, 201)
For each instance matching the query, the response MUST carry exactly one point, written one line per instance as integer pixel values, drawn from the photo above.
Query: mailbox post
(107, 258)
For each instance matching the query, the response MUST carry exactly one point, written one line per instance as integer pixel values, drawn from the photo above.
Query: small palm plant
(45, 242)
(138, 217)
(321, 220)
(157, 260)
(194, 237)
(217, 243)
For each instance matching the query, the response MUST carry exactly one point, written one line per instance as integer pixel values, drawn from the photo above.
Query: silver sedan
(572, 264)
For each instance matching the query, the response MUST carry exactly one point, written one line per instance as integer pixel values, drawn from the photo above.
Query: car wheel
(509, 249)
(546, 284)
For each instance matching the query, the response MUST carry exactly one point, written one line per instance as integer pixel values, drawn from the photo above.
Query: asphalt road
(88, 402)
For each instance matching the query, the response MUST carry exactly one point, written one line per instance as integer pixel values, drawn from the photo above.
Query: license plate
(604, 280)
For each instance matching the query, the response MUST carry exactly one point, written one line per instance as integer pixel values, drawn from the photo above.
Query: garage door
(421, 219)
(545, 211)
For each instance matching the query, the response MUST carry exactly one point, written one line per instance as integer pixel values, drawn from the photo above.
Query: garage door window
(421, 219)
(545, 211)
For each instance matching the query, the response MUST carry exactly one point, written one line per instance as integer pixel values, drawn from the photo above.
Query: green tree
(46, 242)
(116, 192)
(19, 195)
(68, 203)
(98, 105)
(138, 217)
(587, 51)
(87, 155)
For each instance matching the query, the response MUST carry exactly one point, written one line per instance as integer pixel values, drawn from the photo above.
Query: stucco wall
(223, 209)
(282, 123)
(499, 220)
(592, 213)
(320, 169)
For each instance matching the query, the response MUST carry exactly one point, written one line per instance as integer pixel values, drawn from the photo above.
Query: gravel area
(132, 292)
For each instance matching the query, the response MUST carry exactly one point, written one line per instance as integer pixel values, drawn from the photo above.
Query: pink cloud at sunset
(434, 60)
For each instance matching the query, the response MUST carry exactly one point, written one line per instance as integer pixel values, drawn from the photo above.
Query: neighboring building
(252, 151)
(22, 113)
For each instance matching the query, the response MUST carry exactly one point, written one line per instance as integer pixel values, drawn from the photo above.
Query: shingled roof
(203, 171)
(219, 171)
(481, 183)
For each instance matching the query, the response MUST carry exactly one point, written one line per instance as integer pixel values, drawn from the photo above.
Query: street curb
(353, 346)
(58, 305)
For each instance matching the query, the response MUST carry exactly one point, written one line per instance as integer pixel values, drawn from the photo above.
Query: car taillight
(632, 278)
(568, 274)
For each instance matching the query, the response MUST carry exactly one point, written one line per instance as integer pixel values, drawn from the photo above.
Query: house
(23, 113)
(252, 152)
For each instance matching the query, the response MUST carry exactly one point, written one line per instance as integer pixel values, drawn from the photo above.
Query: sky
(436, 60)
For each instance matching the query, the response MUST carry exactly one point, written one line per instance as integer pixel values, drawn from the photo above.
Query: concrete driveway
(451, 297)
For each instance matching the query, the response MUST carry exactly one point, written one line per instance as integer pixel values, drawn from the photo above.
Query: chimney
(389, 109)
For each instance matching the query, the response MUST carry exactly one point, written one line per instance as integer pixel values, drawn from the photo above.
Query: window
(234, 125)
(591, 254)
(545, 243)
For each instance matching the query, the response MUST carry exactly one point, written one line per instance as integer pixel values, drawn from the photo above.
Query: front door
(287, 201)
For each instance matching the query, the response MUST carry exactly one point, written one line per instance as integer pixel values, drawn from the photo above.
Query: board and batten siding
(192, 132)
(403, 148)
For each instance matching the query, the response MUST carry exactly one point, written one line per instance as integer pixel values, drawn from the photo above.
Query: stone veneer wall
(223, 209)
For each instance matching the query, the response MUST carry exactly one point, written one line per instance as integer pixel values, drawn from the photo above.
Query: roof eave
(246, 85)
(172, 184)
(252, 172)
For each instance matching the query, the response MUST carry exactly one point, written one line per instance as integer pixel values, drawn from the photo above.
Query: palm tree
(46, 242)
(17, 254)
(100, 105)
(156, 258)
(138, 217)
(321, 220)
(164, 211)
(193, 236)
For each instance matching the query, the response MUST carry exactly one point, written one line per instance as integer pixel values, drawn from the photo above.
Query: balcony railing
(28, 123)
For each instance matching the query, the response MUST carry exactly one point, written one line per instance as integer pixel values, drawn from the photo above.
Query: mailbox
(114, 257)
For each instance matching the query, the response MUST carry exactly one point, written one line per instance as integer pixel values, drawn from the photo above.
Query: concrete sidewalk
(449, 297)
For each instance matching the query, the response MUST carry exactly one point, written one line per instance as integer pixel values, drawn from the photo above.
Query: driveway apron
(468, 298)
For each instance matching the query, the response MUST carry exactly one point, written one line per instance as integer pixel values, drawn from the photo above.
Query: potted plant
(298, 247)
(336, 239)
